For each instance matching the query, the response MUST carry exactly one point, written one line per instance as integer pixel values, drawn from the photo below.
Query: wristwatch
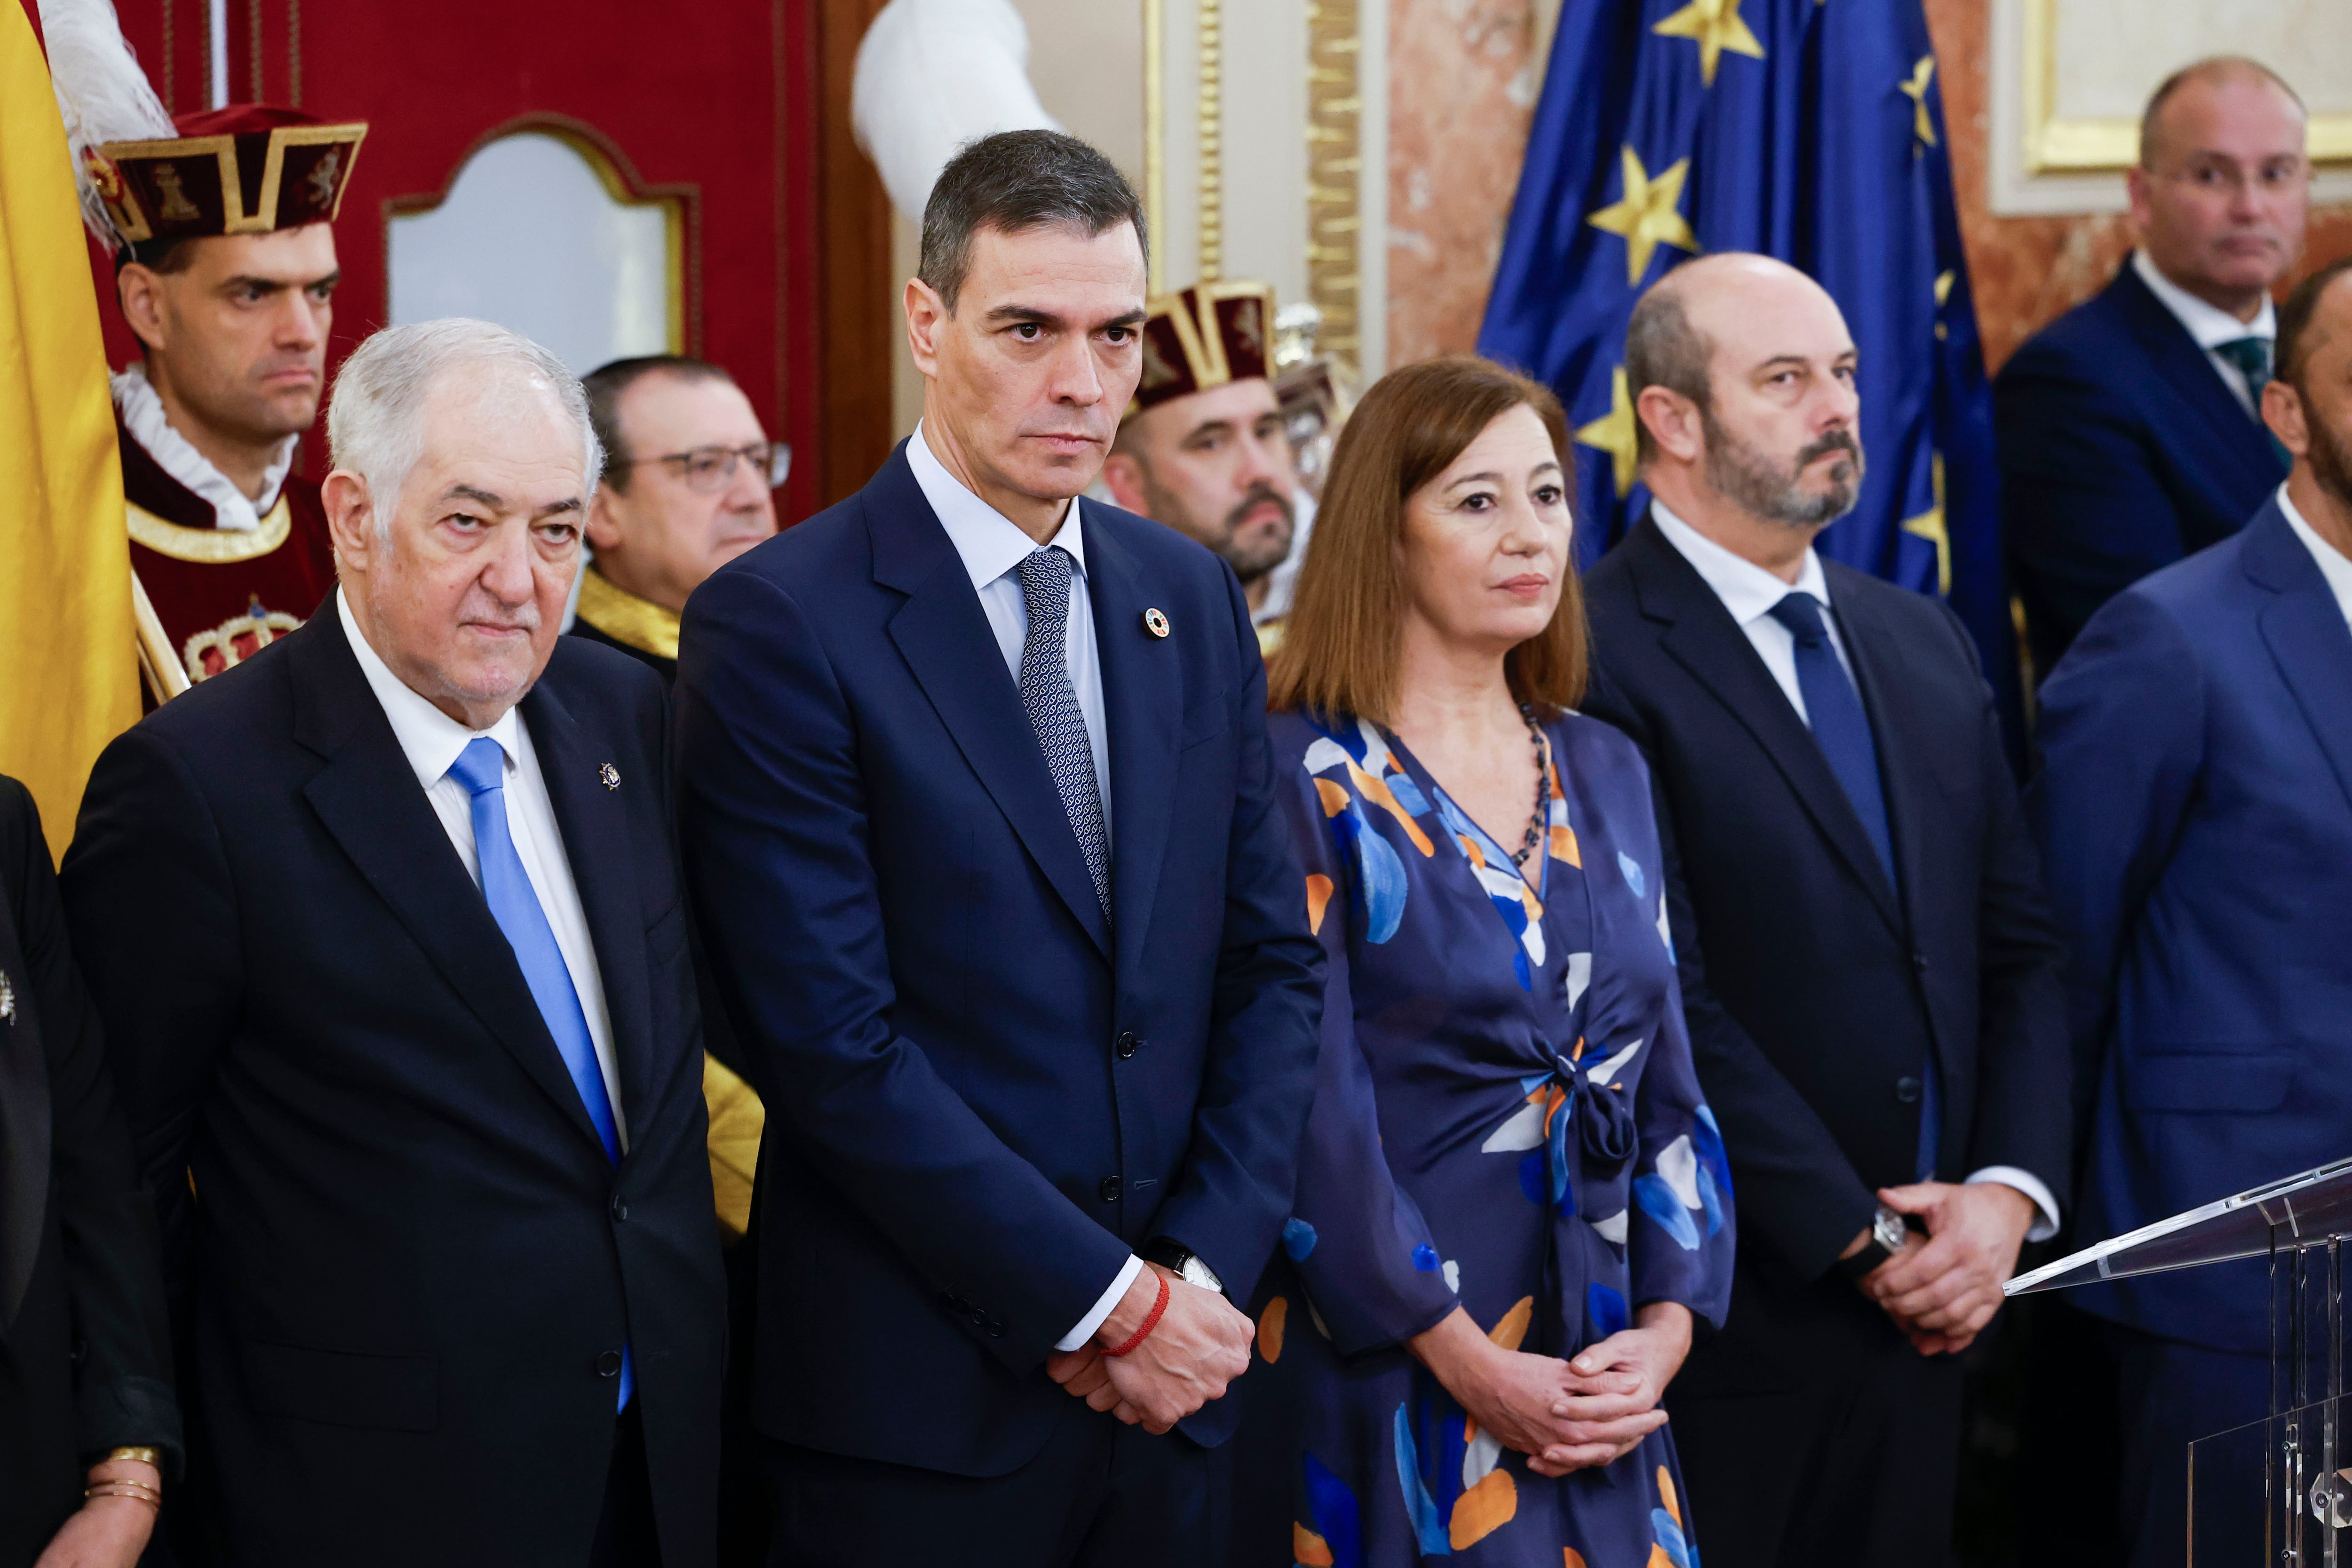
(1183, 1262)
(1888, 1232)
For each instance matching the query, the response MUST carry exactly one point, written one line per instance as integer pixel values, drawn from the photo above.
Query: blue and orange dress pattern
(1506, 1120)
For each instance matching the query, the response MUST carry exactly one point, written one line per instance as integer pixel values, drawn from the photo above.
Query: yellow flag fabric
(68, 669)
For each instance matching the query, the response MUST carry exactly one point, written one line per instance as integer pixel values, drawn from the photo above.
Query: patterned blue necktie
(506, 888)
(1841, 730)
(1053, 706)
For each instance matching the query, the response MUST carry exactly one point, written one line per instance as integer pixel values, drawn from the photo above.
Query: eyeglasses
(710, 469)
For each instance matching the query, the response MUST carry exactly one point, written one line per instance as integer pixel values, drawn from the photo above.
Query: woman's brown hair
(1338, 652)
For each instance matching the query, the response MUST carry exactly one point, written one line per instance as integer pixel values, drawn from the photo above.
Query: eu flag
(1808, 130)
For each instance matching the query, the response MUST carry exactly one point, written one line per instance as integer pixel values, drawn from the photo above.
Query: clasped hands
(1191, 1355)
(1943, 1289)
(1579, 1414)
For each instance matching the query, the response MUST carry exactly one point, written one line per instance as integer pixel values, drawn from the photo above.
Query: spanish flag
(68, 666)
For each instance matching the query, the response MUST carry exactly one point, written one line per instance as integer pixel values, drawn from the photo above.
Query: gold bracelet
(140, 1494)
(126, 1481)
(140, 1456)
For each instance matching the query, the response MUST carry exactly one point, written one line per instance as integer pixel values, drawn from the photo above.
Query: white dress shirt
(1749, 592)
(2210, 325)
(993, 547)
(431, 740)
(2332, 564)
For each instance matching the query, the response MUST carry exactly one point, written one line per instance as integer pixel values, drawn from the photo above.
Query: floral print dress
(1506, 1120)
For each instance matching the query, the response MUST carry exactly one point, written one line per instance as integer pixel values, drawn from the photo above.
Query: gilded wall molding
(1210, 112)
(1335, 168)
(1155, 156)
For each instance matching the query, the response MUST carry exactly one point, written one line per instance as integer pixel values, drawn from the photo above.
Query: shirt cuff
(2045, 1221)
(1087, 1325)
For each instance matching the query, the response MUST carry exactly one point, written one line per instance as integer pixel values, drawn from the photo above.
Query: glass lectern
(2276, 1492)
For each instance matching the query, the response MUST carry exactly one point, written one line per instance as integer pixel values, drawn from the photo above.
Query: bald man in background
(2128, 429)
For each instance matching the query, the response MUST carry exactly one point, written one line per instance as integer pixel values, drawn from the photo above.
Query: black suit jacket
(1817, 995)
(2121, 451)
(406, 1254)
(983, 1096)
(85, 1354)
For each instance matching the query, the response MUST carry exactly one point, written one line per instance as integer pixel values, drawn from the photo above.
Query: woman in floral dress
(1511, 1199)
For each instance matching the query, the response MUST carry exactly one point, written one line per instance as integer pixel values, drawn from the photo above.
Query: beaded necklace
(1540, 818)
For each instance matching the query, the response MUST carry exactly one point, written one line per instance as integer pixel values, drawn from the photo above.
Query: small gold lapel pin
(7, 1001)
(1155, 623)
(610, 776)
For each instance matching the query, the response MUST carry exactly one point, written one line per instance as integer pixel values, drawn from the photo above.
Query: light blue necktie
(506, 888)
(1053, 705)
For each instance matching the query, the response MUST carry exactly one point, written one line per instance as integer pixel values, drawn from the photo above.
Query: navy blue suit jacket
(2121, 450)
(2195, 811)
(405, 1254)
(980, 1096)
(1818, 995)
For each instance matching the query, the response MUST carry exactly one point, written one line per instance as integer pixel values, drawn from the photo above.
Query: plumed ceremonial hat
(1204, 336)
(247, 169)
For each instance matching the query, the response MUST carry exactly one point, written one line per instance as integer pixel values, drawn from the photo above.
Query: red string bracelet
(1150, 1319)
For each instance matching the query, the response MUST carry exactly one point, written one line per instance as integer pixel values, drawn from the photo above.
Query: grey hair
(375, 418)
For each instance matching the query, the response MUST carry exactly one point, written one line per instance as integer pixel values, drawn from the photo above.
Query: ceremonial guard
(224, 270)
(1204, 446)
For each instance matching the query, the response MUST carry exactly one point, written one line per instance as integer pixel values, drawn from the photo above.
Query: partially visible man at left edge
(385, 930)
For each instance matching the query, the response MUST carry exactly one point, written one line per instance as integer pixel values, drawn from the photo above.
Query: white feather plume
(102, 93)
(933, 74)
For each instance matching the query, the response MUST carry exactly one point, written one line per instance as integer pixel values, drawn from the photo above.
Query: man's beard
(1250, 564)
(2330, 456)
(1751, 481)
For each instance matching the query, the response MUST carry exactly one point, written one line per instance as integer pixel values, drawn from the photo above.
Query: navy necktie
(1841, 730)
(506, 888)
(1833, 708)
(1053, 705)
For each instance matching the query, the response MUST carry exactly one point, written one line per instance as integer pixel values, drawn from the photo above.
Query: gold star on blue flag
(1714, 26)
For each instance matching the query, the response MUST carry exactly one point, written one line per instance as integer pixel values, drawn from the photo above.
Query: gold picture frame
(2054, 145)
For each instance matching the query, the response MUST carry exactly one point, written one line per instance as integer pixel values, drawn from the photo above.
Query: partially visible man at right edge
(2130, 428)
(2194, 812)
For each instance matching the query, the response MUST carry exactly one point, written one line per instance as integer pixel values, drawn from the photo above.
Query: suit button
(609, 1365)
(1109, 1190)
(1906, 1089)
(1920, 963)
(1128, 1044)
(996, 1330)
(620, 1209)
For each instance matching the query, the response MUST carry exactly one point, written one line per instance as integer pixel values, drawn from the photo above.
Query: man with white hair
(385, 931)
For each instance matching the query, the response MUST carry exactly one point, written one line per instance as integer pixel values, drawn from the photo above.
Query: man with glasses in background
(689, 482)
(2128, 427)
(688, 486)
